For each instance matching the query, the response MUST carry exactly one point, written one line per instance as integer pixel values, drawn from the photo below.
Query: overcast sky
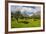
(28, 9)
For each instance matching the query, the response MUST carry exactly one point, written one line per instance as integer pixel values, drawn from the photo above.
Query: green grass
(34, 23)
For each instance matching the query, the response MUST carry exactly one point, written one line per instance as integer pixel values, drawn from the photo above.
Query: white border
(23, 29)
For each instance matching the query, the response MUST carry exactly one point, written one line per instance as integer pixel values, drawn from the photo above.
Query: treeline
(18, 14)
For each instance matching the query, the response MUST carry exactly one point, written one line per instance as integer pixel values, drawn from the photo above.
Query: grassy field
(20, 24)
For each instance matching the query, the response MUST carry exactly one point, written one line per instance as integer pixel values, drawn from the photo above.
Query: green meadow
(23, 23)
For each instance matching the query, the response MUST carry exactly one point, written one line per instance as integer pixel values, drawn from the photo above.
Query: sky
(28, 9)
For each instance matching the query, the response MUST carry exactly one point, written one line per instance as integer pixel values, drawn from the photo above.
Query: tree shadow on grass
(25, 22)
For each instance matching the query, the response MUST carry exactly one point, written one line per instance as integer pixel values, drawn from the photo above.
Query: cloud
(29, 10)
(25, 9)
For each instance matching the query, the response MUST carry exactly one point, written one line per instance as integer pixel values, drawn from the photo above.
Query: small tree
(12, 14)
(17, 15)
(33, 16)
(25, 15)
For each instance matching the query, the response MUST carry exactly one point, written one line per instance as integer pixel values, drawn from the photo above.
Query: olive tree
(17, 15)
